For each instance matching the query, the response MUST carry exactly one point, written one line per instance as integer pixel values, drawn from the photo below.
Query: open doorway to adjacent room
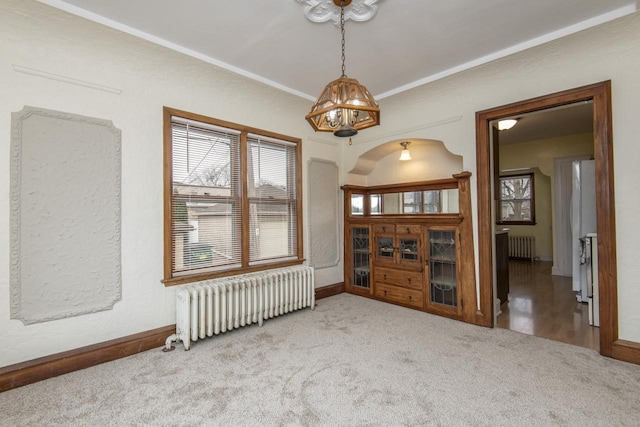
(534, 163)
(540, 298)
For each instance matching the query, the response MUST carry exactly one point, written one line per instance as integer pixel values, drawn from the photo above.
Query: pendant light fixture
(404, 154)
(344, 106)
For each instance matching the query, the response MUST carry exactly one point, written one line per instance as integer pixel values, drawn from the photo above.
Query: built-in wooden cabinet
(412, 245)
(359, 259)
(443, 269)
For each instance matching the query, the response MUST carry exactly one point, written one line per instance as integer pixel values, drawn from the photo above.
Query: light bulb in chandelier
(343, 121)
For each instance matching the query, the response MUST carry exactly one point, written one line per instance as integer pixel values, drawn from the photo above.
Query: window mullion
(244, 210)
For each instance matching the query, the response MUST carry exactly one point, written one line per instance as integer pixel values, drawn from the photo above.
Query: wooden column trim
(468, 285)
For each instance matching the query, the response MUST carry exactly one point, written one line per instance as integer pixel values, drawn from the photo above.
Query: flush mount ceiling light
(404, 154)
(345, 106)
(507, 124)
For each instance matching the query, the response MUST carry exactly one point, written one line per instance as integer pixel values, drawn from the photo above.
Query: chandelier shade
(344, 103)
(344, 106)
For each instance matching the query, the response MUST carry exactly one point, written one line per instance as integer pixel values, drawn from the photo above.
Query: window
(516, 200)
(232, 198)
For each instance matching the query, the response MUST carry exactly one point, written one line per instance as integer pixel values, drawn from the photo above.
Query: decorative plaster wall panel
(324, 213)
(65, 215)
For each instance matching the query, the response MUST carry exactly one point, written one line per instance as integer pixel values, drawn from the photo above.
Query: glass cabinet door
(385, 249)
(409, 250)
(442, 268)
(360, 255)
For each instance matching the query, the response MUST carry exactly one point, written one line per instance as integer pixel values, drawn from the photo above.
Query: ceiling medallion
(325, 10)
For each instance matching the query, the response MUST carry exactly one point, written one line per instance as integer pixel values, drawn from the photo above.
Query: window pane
(272, 200)
(205, 197)
(204, 234)
(271, 170)
(271, 226)
(516, 193)
(516, 188)
(516, 210)
(202, 158)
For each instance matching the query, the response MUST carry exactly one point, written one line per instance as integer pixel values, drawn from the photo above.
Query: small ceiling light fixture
(404, 154)
(507, 124)
(344, 106)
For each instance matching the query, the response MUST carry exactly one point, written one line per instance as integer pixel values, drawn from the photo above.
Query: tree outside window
(516, 200)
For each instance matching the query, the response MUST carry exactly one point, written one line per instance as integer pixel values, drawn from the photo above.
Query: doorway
(600, 95)
(538, 154)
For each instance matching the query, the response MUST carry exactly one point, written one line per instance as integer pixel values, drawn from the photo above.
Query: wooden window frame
(532, 221)
(169, 278)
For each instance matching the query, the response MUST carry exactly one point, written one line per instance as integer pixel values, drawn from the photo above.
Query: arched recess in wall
(430, 160)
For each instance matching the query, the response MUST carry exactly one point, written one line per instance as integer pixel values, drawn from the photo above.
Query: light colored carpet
(352, 361)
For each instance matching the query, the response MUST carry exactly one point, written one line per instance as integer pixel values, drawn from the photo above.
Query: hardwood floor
(545, 306)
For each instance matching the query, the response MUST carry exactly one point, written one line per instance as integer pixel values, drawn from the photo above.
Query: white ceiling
(407, 43)
(550, 123)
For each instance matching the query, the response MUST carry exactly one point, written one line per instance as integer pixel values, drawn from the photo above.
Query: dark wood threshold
(32, 371)
(329, 290)
(627, 351)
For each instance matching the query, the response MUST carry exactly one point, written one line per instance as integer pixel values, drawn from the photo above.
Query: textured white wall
(445, 110)
(148, 77)
(429, 160)
(39, 37)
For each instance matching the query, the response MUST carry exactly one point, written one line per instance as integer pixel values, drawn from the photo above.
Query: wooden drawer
(384, 228)
(406, 279)
(401, 295)
(408, 229)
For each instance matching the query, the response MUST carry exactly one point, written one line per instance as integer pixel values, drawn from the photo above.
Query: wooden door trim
(600, 94)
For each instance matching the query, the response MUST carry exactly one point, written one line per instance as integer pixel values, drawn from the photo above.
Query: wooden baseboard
(329, 290)
(627, 351)
(32, 371)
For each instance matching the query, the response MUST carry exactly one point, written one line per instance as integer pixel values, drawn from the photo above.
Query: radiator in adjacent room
(210, 307)
(522, 247)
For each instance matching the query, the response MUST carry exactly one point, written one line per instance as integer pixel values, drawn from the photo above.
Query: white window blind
(272, 194)
(206, 197)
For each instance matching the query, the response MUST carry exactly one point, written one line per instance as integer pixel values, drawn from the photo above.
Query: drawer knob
(385, 293)
(384, 229)
(409, 297)
(407, 230)
(409, 280)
